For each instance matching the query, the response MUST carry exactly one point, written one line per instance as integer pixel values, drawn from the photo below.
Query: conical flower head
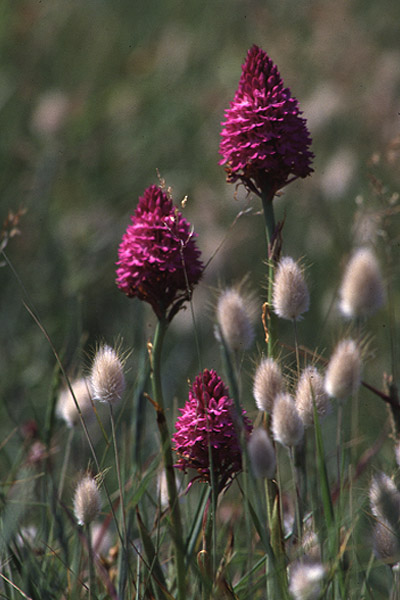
(159, 261)
(265, 141)
(209, 422)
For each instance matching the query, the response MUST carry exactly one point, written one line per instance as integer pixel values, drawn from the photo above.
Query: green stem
(298, 521)
(269, 218)
(92, 579)
(64, 467)
(267, 201)
(125, 549)
(176, 525)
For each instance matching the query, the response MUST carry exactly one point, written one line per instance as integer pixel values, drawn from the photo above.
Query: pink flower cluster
(265, 142)
(209, 424)
(159, 261)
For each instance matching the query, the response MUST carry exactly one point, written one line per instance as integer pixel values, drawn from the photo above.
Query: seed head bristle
(290, 297)
(87, 501)
(234, 317)
(107, 379)
(343, 374)
(287, 426)
(362, 292)
(268, 383)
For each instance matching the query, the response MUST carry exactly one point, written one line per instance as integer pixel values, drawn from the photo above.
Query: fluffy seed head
(343, 374)
(66, 407)
(305, 580)
(385, 500)
(264, 139)
(362, 292)
(386, 543)
(209, 418)
(397, 452)
(310, 390)
(310, 545)
(159, 261)
(262, 454)
(87, 501)
(107, 379)
(287, 427)
(268, 383)
(290, 293)
(235, 320)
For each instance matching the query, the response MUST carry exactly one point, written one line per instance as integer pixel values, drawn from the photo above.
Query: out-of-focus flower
(66, 407)
(107, 380)
(51, 113)
(209, 423)
(87, 501)
(234, 317)
(268, 383)
(386, 544)
(290, 292)
(362, 291)
(305, 580)
(287, 427)
(310, 390)
(102, 539)
(265, 143)
(385, 499)
(159, 261)
(262, 454)
(343, 374)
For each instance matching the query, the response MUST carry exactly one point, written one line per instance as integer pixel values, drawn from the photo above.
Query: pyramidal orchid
(265, 142)
(209, 427)
(159, 261)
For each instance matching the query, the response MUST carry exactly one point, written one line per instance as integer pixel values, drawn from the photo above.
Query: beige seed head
(310, 390)
(107, 379)
(102, 539)
(234, 317)
(386, 544)
(66, 407)
(397, 452)
(268, 383)
(384, 498)
(343, 374)
(310, 545)
(262, 454)
(87, 501)
(287, 427)
(305, 580)
(290, 297)
(362, 292)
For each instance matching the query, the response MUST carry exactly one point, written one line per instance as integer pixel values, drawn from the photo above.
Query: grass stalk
(92, 578)
(125, 551)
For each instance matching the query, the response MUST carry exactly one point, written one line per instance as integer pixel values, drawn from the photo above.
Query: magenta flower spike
(159, 261)
(265, 142)
(209, 420)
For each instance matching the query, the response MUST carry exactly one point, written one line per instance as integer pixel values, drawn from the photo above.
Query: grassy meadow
(98, 101)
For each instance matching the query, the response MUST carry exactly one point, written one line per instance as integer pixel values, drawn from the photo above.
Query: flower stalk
(176, 524)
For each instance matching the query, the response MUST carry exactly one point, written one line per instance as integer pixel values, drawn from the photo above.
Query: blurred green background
(95, 96)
